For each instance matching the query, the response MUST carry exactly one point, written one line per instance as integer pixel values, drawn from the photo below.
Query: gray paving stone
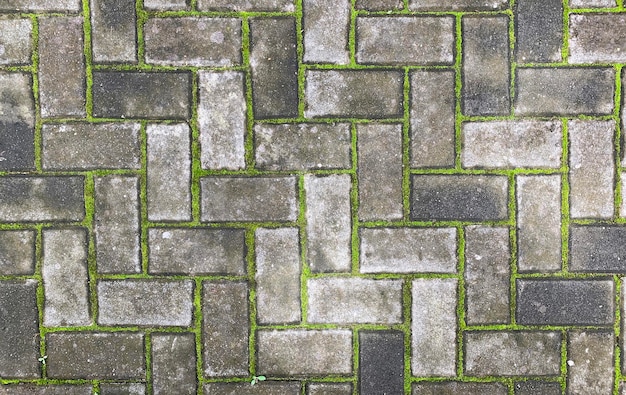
(163, 302)
(455, 5)
(174, 363)
(592, 38)
(564, 91)
(302, 146)
(15, 42)
(19, 343)
(17, 122)
(408, 250)
(329, 389)
(459, 197)
(591, 368)
(379, 171)
(512, 353)
(225, 328)
(268, 388)
(113, 32)
(378, 5)
(169, 172)
(487, 275)
(17, 252)
(197, 251)
(351, 300)
(41, 6)
(274, 64)
(85, 146)
(592, 167)
(278, 270)
(565, 302)
(432, 115)
(326, 28)
(246, 5)
(539, 30)
(353, 93)
(248, 199)
(421, 40)
(193, 41)
(301, 352)
(122, 389)
(598, 248)
(592, 3)
(166, 5)
(381, 362)
(93, 355)
(328, 222)
(454, 388)
(222, 119)
(129, 94)
(433, 327)
(51, 389)
(536, 387)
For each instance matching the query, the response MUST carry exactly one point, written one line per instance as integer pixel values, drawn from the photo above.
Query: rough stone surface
(15, 43)
(246, 5)
(268, 388)
(329, 389)
(591, 368)
(326, 28)
(174, 363)
(533, 387)
(539, 28)
(592, 3)
(597, 248)
(51, 389)
(378, 5)
(17, 122)
(593, 38)
(455, 5)
(41, 6)
(17, 252)
(114, 36)
(381, 362)
(122, 389)
(454, 388)
(166, 5)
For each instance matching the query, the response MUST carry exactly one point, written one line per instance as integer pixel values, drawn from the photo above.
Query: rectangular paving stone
(17, 252)
(302, 146)
(173, 363)
(592, 38)
(15, 41)
(62, 78)
(225, 328)
(113, 32)
(268, 388)
(166, 5)
(381, 362)
(163, 302)
(122, 389)
(85, 146)
(564, 91)
(536, 387)
(456, 5)
(408, 250)
(17, 122)
(512, 353)
(93, 355)
(591, 368)
(433, 327)
(247, 5)
(169, 172)
(454, 388)
(65, 277)
(274, 64)
(485, 68)
(41, 6)
(420, 40)
(565, 302)
(153, 95)
(248, 199)
(329, 389)
(379, 171)
(351, 300)
(328, 222)
(459, 197)
(592, 3)
(278, 270)
(378, 5)
(326, 26)
(196, 251)
(597, 248)
(50, 389)
(353, 93)
(19, 343)
(539, 30)
(301, 352)
(222, 119)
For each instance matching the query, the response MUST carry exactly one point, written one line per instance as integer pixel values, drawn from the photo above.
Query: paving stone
(92, 355)
(433, 327)
(61, 67)
(41, 6)
(592, 168)
(85, 146)
(17, 252)
(225, 328)
(19, 343)
(459, 197)
(113, 32)
(408, 250)
(248, 199)
(17, 122)
(539, 30)
(302, 146)
(15, 43)
(163, 302)
(487, 275)
(591, 369)
(326, 28)
(268, 388)
(454, 388)
(353, 93)
(222, 119)
(565, 302)
(122, 389)
(485, 68)
(421, 40)
(197, 251)
(246, 5)
(592, 3)
(512, 144)
(536, 387)
(166, 5)
(564, 91)
(296, 352)
(51, 389)
(592, 38)
(351, 300)
(65, 277)
(329, 389)
(379, 5)
(278, 270)
(512, 353)
(455, 5)
(328, 222)
(192, 41)
(174, 363)
(129, 94)
(381, 362)
(169, 172)
(539, 223)
(432, 115)
(274, 64)
(597, 248)
(379, 171)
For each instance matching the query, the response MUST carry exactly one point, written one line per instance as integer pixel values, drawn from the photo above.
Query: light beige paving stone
(329, 389)
(268, 388)
(15, 41)
(378, 5)
(113, 31)
(17, 252)
(593, 38)
(590, 362)
(455, 5)
(41, 6)
(326, 27)
(122, 388)
(166, 5)
(246, 5)
(592, 3)
(173, 363)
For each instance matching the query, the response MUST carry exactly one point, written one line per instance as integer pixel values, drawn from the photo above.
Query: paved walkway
(276, 197)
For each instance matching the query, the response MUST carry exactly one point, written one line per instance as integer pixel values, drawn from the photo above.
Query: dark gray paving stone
(326, 28)
(246, 5)
(329, 389)
(590, 362)
(17, 122)
(565, 302)
(539, 30)
(15, 41)
(17, 252)
(456, 5)
(592, 38)
(127, 94)
(19, 343)
(274, 64)
(381, 362)
(41, 6)
(267, 388)
(598, 248)
(455, 388)
(50, 389)
(122, 389)
(535, 387)
(379, 5)
(174, 363)
(113, 32)
(166, 5)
